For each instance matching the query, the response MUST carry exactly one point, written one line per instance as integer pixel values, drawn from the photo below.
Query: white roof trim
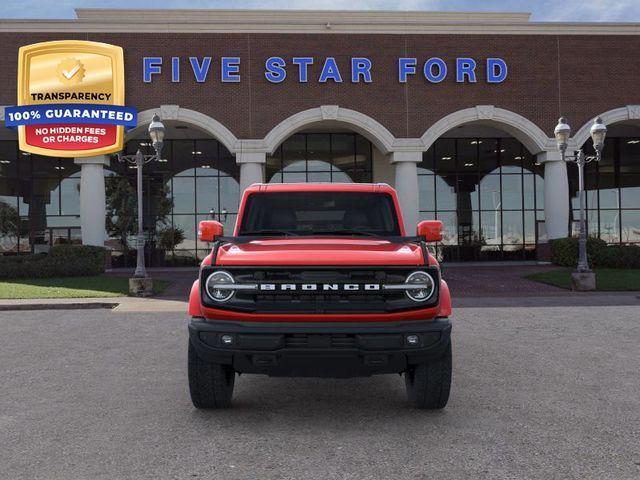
(311, 21)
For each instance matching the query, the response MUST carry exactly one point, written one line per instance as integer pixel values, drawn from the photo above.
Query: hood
(320, 251)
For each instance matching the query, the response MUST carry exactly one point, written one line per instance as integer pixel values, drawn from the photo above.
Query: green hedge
(61, 261)
(564, 252)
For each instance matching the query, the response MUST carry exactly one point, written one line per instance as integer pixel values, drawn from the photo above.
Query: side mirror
(209, 230)
(430, 230)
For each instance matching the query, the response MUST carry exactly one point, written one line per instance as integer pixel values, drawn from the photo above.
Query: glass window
(630, 190)
(511, 155)
(467, 154)
(445, 156)
(182, 160)
(512, 192)
(490, 197)
(206, 195)
(316, 213)
(445, 194)
(321, 157)
(630, 226)
(426, 166)
(491, 225)
(488, 156)
(70, 196)
(426, 194)
(512, 228)
(294, 153)
(343, 156)
(8, 159)
(318, 152)
(629, 155)
(183, 195)
(449, 227)
(609, 225)
(187, 223)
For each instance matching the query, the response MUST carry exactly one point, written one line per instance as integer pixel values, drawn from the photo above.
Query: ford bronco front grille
(311, 289)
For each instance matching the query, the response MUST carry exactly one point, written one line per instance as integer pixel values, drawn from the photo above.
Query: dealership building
(454, 110)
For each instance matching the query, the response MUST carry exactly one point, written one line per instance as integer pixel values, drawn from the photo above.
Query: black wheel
(210, 384)
(428, 384)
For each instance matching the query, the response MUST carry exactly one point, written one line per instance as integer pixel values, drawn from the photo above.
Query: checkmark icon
(71, 73)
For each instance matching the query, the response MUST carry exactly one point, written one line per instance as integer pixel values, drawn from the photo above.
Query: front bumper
(319, 349)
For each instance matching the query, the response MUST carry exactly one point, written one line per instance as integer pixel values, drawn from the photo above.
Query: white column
(251, 168)
(93, 208)
(406, 184)
(556, 194)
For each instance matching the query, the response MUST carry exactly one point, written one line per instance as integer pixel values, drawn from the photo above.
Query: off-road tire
(210, 384)
(428, 384)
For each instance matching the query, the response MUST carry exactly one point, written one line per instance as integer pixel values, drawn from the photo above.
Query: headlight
(426, 286)
(215, 286)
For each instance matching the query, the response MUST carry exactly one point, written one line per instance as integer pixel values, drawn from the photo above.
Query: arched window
(321, 157)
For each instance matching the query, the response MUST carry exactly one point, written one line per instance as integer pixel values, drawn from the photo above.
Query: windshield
(320, 213)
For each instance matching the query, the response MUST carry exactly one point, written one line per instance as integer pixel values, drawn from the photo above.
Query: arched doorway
(487, 189)
(328, 144)
(315, 155)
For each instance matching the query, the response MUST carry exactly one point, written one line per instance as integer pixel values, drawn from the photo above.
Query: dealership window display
(488, 194)
(39, 201)
(612, 192)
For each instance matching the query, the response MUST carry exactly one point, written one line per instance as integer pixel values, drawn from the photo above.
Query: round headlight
(215, 286)
(426, 289)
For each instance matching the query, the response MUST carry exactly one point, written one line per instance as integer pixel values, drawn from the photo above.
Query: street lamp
(156, 133)
(562, 133)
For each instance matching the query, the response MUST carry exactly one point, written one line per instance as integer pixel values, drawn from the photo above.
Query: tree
(9, 221)
(122, 208)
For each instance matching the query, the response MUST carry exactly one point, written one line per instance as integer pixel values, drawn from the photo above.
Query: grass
(70, 287)
(607, 279)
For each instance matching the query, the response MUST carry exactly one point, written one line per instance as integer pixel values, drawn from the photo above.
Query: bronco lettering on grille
(341, 287)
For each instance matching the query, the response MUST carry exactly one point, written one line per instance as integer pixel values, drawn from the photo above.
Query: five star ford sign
(71, 99)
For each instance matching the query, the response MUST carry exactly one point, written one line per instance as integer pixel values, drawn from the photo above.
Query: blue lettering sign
(175, 69)
(230, 70)
(465, 67)
(303, 64)
(406, 66)
(275, 69)
(330, 71)
(496, 70)
(200, 71)
(151, 66)
(428, 70)
(360, 67)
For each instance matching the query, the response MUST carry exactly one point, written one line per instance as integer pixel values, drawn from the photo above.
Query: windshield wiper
(346, 231)
(270, 232)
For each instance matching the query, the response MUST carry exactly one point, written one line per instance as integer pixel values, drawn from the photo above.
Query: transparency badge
(70, 99)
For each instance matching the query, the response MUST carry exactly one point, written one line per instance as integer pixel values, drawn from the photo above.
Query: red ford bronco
(319, 280)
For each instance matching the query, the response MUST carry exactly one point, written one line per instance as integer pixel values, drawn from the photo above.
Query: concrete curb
(9, 307)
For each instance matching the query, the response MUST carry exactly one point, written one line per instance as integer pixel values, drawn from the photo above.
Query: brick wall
(578, 76)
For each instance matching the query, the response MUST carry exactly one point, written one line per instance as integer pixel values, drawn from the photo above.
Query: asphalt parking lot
(537, 393)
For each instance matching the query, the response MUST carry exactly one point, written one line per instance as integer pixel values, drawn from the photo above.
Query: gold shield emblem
(71, 72)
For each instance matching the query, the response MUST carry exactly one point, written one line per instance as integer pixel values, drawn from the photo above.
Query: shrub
(564, 252)
(618, 256)
(61, 261)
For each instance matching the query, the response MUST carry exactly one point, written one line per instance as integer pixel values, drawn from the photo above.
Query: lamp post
(156, 133)
(583, 278)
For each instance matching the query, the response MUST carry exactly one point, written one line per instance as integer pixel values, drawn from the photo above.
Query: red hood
(320, 251)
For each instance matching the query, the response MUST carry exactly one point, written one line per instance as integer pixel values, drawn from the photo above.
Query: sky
(542, 10)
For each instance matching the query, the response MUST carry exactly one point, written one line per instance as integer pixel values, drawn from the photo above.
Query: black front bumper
(319, 349)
